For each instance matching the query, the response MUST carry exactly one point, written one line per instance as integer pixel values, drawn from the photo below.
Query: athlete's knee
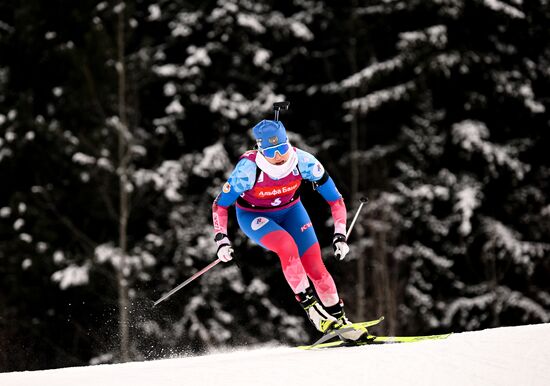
(313, 263)
(281, 243)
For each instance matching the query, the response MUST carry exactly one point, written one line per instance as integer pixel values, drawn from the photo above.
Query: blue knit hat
(269, 133)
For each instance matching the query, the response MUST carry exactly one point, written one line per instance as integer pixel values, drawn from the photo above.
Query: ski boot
(325, 319)
(342, 322)
(315, 312)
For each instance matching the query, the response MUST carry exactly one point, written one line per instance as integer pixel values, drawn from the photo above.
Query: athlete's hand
(225, 251)
(341, 248)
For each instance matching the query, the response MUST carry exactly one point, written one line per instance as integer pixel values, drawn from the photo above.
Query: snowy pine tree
(457, 158)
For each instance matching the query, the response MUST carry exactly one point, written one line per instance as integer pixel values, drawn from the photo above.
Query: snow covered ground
(502, 356)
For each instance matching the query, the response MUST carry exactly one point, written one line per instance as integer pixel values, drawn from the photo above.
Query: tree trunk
(385, 288)
(360, 284)
(122, 282)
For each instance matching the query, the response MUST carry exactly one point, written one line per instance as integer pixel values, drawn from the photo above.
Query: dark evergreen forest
(120, 121)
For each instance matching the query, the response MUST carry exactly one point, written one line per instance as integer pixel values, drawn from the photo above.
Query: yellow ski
(375, 339)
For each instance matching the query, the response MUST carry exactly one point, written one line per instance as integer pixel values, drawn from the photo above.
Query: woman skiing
(264, 185)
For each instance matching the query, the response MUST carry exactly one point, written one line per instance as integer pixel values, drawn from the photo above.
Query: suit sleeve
(241, 179)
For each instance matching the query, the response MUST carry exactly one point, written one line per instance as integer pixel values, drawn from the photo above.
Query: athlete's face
(278, 159)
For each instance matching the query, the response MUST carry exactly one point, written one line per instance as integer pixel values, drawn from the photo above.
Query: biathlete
(264, 185)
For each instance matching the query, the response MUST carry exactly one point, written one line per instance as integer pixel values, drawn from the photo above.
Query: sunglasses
(281, 148)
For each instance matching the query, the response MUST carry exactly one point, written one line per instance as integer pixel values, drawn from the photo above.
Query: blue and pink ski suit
(270, 213)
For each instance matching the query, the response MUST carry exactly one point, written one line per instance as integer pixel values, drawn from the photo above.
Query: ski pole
(196, 275)
(363, 200)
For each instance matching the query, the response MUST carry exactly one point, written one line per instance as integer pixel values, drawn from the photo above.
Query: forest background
(120, 121)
